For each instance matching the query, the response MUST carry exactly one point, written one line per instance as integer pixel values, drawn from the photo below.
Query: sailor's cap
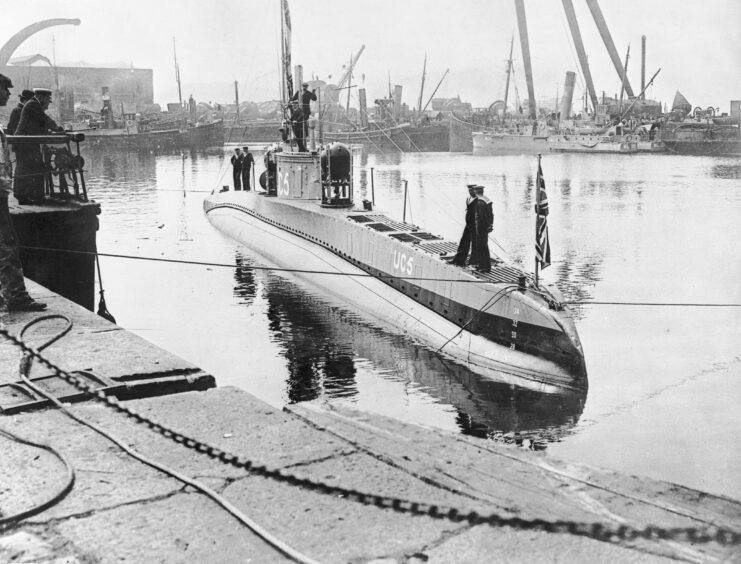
(45, 91)
(471, 186)
(478, 188)
(26, 95)
(304, 84)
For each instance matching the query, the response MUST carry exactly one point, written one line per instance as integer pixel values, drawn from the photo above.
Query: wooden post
(373, 189)
(404, 217)
(236, 99)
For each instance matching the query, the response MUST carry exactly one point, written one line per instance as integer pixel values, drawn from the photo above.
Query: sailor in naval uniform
(237, 159)
(483, 225)
(464, 247)
(247, 161)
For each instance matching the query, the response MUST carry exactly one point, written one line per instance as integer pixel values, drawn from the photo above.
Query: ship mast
(422, 88)
(622, 86)
(509, 74)
(435, 90)
(177, 76)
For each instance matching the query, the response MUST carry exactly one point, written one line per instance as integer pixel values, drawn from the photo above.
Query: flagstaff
(537, 207)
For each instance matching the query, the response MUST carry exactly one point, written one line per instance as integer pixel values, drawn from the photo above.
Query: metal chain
(597, 531)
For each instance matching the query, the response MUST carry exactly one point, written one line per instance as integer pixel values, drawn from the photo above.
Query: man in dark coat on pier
(464, 247)
(304, 98)
(15, 113)
(12, 284)
(483, 225)
(29, 171)
(247, 162)
(237, 159)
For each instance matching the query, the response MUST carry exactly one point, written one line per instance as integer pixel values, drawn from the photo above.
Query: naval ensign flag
(542, 244)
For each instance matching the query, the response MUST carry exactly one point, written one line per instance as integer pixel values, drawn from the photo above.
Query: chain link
(597, 531)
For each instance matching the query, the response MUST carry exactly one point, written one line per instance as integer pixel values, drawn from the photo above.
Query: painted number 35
(402, 262)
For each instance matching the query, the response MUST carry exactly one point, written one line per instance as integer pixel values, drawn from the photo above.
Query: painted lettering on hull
(403, 263)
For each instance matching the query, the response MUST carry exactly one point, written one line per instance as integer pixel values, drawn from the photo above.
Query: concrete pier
(121, 510)
(61, 226)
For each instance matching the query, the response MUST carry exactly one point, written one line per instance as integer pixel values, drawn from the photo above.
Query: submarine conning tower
(325, 175)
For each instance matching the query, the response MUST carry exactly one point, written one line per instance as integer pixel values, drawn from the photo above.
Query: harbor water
(628, 233)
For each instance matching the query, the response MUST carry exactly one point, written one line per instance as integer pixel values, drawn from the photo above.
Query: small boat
(134, 132)
(703, 139)
(700, 132)
(172, 137)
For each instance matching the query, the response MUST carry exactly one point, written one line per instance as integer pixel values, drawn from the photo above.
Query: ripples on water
(663, 382)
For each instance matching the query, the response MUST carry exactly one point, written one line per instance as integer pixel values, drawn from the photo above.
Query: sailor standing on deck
(464, 247)
(304, 98)
(297, 124)
(247, 162)
(29, 172)
(483, 225)
(12, 285)
(237, 159)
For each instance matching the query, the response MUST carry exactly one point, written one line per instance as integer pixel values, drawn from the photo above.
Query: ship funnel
(568, 95)
(397, 102)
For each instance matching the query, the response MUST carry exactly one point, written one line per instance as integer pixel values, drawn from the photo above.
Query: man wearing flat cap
(13, 293)
(29, 171)
(15, 113)
(304, 97)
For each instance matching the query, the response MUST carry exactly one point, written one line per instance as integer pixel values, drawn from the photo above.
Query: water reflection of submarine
(323, 340)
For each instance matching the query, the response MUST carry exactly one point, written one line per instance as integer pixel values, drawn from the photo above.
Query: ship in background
(705, 132)
(183, 127)
(390, 125)
(132, 131)
(624, 124)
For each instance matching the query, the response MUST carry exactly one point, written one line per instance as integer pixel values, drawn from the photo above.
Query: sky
(697, 45)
